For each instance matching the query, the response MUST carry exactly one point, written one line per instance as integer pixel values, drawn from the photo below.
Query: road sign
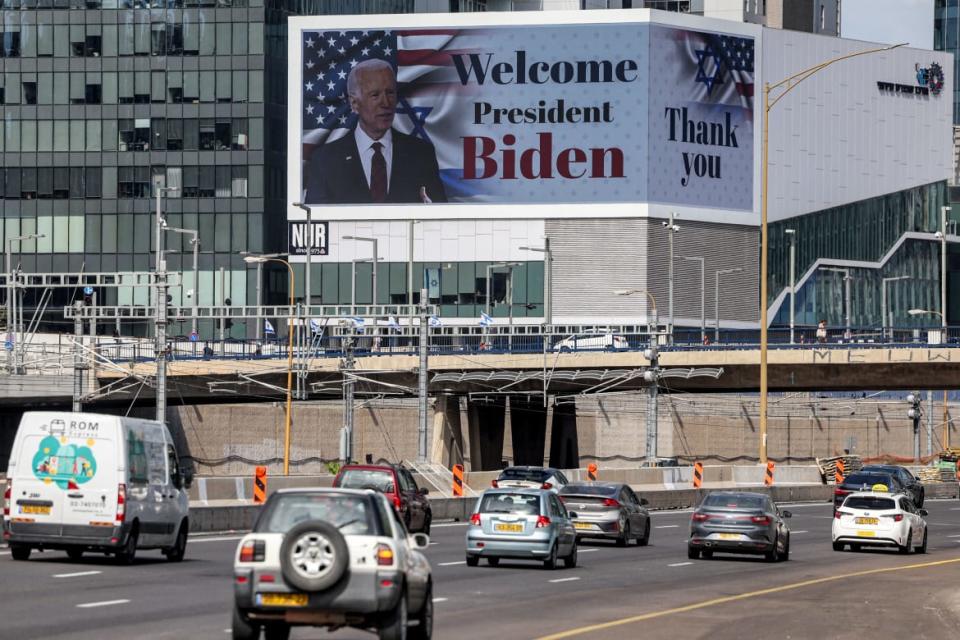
(8, 345)
(193, 336)
(88, 291)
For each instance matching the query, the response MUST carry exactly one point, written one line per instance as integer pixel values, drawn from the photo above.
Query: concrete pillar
(447, 433)
(547, 431)
(485, 427)
(507, 455)
(528, 421)
(564, 451)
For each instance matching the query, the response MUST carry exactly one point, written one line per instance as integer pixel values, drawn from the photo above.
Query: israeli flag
(357, 322)
(392, 323)
(268, 328)
(435, 321)
(315, 326)
(485, 320)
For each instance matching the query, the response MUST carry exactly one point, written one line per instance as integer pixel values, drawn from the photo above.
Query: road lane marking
(742, 596)
(449, 524)
(563, 580)
(587, 550)
(105, 603)
(956, 535)
(435, 600)
(793, 533)
(76, 574)
(679, 564)
(667, 526)
(451, 564)
(4, 553)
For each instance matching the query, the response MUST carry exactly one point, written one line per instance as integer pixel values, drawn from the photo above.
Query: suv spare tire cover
(314, 556)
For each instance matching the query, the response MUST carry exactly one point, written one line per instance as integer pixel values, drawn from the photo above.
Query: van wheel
(179, 548)
(128, 553)
(18, 552)
(393, 625)
(424, 628)
(75, 553)
(242, 628)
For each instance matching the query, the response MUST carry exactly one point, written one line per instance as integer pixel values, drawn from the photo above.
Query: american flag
(418, 58)
(723, 66)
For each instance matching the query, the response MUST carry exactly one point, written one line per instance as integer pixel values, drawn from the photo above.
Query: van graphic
(67, 465)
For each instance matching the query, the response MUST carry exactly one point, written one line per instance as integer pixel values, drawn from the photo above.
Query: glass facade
(862, 231)
(946, 37)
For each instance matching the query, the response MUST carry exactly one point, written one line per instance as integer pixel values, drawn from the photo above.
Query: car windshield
(529, 475)
(869, 502)
(588, 490)
(867, 479)
(378, 480)
(513, 503)
(350, 514)
(733, 501)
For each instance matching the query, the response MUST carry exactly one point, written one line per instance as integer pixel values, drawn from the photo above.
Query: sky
(888, 21)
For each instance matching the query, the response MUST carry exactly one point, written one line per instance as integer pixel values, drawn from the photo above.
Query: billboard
(520, 115)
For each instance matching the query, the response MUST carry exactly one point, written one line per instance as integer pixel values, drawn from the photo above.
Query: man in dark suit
(374, 163)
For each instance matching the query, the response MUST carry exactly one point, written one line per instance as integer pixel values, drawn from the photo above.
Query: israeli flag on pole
(268, 328)
(357, 322)
(485, 320)
(315, 326)
(392, 323)
(435, 321)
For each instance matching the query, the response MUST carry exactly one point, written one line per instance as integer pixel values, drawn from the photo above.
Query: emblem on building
(931, 77)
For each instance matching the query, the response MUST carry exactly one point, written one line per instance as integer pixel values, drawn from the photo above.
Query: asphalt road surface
(650, 592)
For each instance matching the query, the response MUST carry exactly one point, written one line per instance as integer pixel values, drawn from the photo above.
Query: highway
(615, 592)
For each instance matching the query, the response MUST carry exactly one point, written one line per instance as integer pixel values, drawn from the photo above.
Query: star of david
(418, 116)
(708, 78)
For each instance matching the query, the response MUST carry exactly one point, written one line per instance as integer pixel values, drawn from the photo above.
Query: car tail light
(121, 503)
(384, 555)
(764, 520)
(542, 521)
(547, 485)
(397, 502)
(268, 577)
(6, 499)
(475, 519)
(610, 502)
(897, 517)
(701, 517)
(493, 483)
(840, 492)
(253, 551)
(836, 515)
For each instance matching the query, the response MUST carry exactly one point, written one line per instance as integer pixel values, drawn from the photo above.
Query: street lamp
(671, 230)
(11, 309)
(307, 294)
(195, 242)
(161, 320)
(547, 279)
(786, 86)
(376, 257)
(652, 375)
(716, 310)
(703, 305)
(793, 278)
(290, 324)
(245, 254)
(883, 304)
(943, 267)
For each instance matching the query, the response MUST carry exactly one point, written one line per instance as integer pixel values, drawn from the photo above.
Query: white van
(90, 482)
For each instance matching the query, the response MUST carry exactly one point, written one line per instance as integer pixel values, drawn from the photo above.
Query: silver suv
(332, 558)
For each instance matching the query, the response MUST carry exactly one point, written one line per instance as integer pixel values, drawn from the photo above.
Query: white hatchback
(874, 518)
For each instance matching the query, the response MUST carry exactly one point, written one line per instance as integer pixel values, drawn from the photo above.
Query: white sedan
(592, 340)
(874, 518)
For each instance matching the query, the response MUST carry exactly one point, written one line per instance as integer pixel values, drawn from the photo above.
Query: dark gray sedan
(608, 510)
(739, 522)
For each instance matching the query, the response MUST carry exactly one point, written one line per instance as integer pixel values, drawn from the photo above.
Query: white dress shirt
(365, 147)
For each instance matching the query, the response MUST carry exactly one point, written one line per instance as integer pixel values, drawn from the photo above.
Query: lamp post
(703, 298)
(946, 425)
(672, 228)
(846, 297)
(195, 242)
(259, 263)
(883, 304)
(12, 327)
(547, 279)
(161, 319)
(376, 257)
(785, 86)
(307, 293)
(290, 324)
(652, 375)
(716, 309)
(943, 268)
(793, 279)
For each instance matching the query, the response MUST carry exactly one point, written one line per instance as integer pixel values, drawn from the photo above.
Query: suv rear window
(351, 514)
(529, 475)
(869, 502)
(729, 501)
(378, 480)
(867, 479)
(514, 503)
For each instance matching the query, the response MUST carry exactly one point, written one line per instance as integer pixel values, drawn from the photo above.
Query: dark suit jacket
(334, 174)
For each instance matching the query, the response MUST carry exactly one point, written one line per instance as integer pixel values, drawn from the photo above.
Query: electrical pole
(346, 434)
(914, 413)
(422, 386)
(78, 365)
(793, 280)
(652, 376)
(161, 319)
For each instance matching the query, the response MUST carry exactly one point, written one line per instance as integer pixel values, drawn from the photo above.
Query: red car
(399, 486)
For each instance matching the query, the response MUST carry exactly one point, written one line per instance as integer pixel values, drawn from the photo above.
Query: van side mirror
(922, 512)
(644, 502)
(424, 491)
(420, 540)
(787, 514)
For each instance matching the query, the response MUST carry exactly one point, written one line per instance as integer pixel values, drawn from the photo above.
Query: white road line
(451, 564)
(4, 553)
(77, 574)
(449, 524)
(954, 508)
(796, 532)
(220, 539)
(435, 600)
(956, 535)
(679, 564)
(666, 526)
(563, 580)
(105, 603)
(587, 550)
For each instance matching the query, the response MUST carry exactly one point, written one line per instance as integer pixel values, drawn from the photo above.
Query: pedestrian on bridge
(822, 331)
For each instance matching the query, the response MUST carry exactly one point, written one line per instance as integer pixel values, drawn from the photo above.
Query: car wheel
(570, 561)
(564, 349)
(551, 562)
(19, 552)
(838, 546)
(427, 523)
(786, 550)
(645, 539)
(905, 549)
(313, 556)
(493, 562)
(424, 628)
(243, 629)
(179, 548)
(473, 561)
(393, 625)
(923, 547)
(773, 555)
(75, 553)
(624, 536)
(693, 554)
(923, 496)
(128, 553)
(276, 631)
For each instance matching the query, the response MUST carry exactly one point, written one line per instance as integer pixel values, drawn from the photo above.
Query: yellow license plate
(867, 534)
(582, 525)
(514, 528)
(729, 536)
(283, 599)
(867, 521)
(38, 509)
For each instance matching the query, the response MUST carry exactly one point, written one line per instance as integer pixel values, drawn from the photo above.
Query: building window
(29, 93)
(9, 44)
(133, 182)
(823, 17)
(134, 135)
